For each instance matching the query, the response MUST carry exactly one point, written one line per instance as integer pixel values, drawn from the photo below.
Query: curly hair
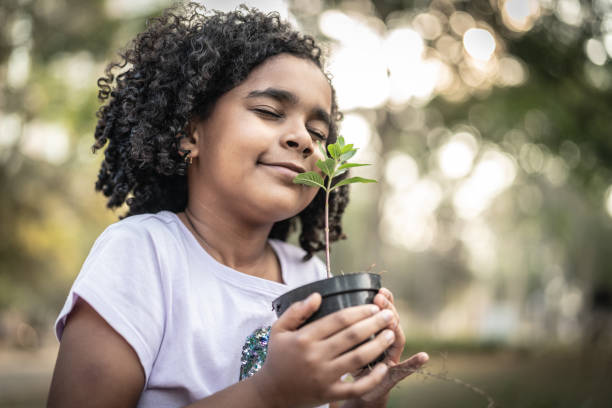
(175, 71)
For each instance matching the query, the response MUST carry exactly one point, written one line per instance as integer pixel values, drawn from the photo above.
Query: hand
(303, 366)
(397, 371)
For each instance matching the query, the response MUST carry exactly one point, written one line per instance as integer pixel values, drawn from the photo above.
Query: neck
(238, 245)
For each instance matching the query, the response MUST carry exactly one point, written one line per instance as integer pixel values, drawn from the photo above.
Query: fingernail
(309, 298)
(390, 336)
(423, 357)
(387, 315)
(374, 309)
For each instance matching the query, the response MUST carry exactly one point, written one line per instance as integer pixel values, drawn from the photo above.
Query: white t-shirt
(194, 323)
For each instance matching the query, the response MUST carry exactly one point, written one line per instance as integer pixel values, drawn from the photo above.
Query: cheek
(310, 195)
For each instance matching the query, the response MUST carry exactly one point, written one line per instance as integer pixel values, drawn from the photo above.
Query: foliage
(334, 165)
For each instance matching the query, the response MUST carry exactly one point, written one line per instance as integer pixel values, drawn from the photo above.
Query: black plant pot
(337, 293)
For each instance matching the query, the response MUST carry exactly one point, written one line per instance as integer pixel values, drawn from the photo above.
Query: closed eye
(268, 112)
(318, 134)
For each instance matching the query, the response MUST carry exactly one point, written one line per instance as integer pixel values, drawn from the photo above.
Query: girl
(212, 117)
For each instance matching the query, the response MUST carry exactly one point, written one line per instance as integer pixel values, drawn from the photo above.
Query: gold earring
(188, 159)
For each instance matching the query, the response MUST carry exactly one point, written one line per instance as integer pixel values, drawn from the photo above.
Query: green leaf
(310, 178)
(340, 142)
(353, 180)
(328, 166)
(349, 165)
(347, 148)
(321, 148)
(346, 156)
(334, 150)
(339, 172)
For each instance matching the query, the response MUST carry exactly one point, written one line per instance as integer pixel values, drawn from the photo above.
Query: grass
(525, 377)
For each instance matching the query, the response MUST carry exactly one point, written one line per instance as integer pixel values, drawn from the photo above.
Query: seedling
(334, 165)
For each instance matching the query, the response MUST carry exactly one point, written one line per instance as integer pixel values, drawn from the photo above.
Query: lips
(287, 165)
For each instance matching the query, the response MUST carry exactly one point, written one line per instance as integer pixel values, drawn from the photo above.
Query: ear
(190, 140)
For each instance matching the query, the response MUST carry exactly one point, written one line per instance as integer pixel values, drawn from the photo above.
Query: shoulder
(142, 226)
(292, 257)
(151, 236)
(145, 222)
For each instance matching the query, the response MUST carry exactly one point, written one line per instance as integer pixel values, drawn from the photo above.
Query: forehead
(299, 76)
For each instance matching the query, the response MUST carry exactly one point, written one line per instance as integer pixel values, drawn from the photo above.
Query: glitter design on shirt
(254, 352)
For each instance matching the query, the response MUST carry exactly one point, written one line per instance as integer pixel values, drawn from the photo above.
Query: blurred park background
(489, 124)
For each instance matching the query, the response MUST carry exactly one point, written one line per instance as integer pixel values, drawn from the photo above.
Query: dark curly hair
(173, 72)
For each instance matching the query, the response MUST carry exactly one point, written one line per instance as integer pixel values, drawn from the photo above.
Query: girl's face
(258, 137)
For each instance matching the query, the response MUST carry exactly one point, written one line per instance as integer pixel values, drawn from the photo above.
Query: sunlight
(569, 11)
(456, 156)
(349, 29)
(520, 15)
(460, 22)
(608, 200)
(511, 72)
(419, 81)
(10, 129)
(76, 70)
(556, 171)
(596, 51)
(408, 216)
(479, 43)
(494, 173)
(400, 163)
(136, 8)
(532, 158)
(359, 54)
(46, 141)
(18, 67)
(133, 8)
(428, 25)
(480, 243)
(403, 47)
(356, 130)
(350, 66)
(608, 43)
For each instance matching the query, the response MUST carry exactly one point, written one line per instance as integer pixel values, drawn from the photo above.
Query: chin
(279, 212)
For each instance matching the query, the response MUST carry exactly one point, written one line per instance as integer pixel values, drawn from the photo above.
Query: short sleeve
(122, 280)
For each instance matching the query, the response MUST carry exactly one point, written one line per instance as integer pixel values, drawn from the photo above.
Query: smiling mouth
(284, 166)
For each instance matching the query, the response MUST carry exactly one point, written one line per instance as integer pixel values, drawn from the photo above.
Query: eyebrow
(284, 96)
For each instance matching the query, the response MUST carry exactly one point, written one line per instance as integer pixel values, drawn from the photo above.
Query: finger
(407, 367)
(382, 302)
(357, 333)
(363, 355)
(395, 351)
(394, 375)
(337, 321)
(297, 313)
(363, 385)
(387, 293)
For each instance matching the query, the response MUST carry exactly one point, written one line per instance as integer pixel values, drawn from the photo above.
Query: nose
(298, 138)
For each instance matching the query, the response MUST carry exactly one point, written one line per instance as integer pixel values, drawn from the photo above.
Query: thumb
(298, 313)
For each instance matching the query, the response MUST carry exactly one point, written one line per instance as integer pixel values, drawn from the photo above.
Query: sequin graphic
(254, 352)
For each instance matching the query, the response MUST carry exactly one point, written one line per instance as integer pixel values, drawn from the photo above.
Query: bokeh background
(489, 124)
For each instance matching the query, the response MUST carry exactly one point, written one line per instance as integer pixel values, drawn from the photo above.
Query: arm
(96, 367)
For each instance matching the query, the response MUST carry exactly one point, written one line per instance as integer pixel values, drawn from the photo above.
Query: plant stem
(327, 260)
